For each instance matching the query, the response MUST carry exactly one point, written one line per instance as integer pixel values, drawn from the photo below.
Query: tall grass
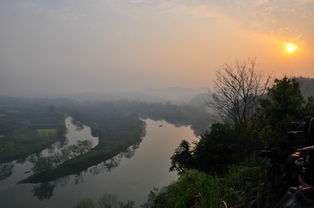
(244, 185)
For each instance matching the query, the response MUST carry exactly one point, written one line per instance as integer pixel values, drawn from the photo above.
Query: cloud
(280, 17)
(290, 19)
(59, 13)
(287, 19)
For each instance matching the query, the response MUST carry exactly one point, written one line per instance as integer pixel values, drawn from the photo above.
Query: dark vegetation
(223, 169)
(27, 126)
(179, 115)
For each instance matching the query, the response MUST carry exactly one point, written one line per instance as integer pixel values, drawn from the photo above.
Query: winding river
(129, 176)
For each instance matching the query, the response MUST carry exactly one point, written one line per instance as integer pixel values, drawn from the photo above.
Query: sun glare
(291, 47)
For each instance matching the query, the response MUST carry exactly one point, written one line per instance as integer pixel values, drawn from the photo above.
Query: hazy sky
(67, 46)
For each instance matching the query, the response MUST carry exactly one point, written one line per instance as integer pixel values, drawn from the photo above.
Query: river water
(129, 176)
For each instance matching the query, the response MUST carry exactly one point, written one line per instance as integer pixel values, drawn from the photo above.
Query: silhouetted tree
(218, 148)
(283, 104)
(182, 158)
(238, 87)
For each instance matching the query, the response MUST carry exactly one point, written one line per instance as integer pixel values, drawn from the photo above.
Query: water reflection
(6, 169)
(106, 201)
(45, 190)
(78, 178)
(115, 161)
(112, 163)
(111, 201)
(78, 124)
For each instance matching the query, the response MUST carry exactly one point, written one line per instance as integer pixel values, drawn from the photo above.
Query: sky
(72, 46)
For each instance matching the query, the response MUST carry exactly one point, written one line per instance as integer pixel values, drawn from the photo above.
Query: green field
(46, 132)
(27, 126)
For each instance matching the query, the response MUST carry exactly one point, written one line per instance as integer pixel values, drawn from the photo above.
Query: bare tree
(238, 87)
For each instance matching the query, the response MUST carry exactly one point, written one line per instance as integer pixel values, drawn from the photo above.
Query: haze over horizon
(77, 46)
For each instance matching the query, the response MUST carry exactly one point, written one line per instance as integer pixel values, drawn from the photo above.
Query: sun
(291, 47)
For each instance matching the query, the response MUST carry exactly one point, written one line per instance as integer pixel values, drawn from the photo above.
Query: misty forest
(156, 104)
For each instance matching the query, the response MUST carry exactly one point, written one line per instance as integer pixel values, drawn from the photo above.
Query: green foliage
(87, 203)
(242, 186)
(283, 104)
(246, 184)
(25, 142)
(182, 158)
(217, 148)
(193, 189)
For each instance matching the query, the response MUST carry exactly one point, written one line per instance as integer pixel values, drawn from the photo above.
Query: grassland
(46, 132)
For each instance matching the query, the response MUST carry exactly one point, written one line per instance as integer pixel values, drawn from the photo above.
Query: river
(128, 176)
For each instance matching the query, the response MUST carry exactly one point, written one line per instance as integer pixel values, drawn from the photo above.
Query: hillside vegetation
(223, 169)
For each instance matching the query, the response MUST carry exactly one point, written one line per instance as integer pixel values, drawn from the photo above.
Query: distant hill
(199, 100)
(307, 86)
(174, 95)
